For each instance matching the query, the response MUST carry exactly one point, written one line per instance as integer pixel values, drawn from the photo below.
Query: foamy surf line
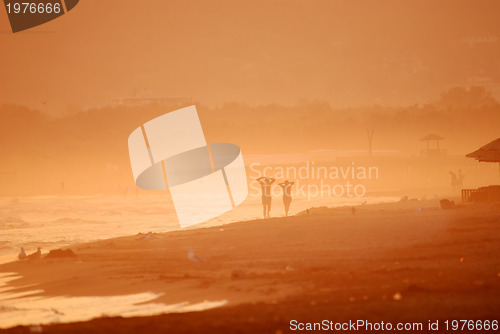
(54, 231)
(24, 309)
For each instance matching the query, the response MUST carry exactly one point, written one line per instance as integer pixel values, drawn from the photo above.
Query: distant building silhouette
(432, 151)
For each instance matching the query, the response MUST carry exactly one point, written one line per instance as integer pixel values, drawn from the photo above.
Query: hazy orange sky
(349, 53)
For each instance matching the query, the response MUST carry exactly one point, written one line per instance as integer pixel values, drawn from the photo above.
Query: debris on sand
(397, 296)
(146, 237)
(237, 274)
(447, 204)
(36, 329)
(193, 257)
(60, 254)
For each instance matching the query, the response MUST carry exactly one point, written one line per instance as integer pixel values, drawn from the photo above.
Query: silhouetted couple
(457, 181)
(265, 183)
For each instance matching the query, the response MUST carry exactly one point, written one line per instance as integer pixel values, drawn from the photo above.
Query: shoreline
(56, 225)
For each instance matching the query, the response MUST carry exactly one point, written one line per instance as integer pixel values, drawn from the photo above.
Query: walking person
(265, 183)
(287, 194)
(454, 180)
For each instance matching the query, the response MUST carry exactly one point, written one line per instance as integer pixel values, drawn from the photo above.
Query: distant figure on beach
(353, 211)
(266, 194)
(22, 254)
(454, 180)
(457, 182)
(287, 194)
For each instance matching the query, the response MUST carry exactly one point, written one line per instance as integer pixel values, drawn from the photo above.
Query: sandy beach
(283, 166)
(402, 262)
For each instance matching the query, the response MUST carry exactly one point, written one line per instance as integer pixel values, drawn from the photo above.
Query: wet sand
(392, 262)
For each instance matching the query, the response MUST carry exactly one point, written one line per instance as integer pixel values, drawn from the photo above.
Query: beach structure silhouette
(487, 153)
(432, 150)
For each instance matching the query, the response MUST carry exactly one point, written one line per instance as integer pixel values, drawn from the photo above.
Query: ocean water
(52, 222)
